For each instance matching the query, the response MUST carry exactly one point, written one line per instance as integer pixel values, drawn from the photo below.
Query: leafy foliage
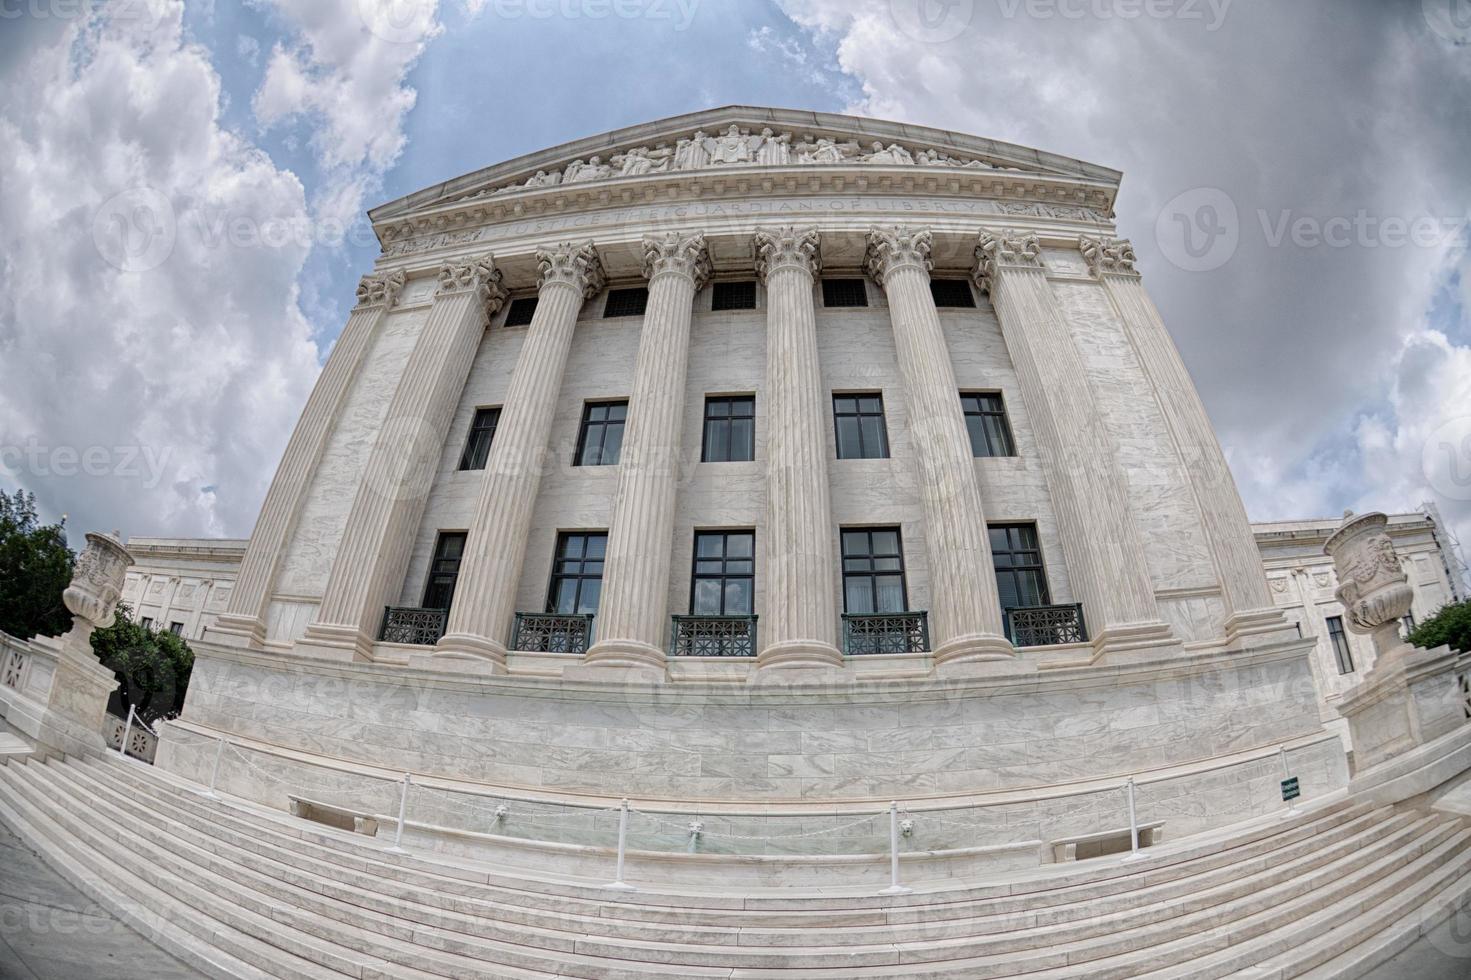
(35, 569)
(1450, 625)
(152, 666)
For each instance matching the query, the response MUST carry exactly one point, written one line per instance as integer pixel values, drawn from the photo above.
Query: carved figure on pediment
(539, 179)
(733, 146)
(773, 150)
(641, 160)
(824, 150)
(593, 169)
(891, 154)
(693, 153)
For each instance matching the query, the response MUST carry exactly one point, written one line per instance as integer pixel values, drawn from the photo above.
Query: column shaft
(245, 617)
(799, 625)
(633, 611)
(965, 613)
(367, 571)
(485, 595)
(1104, 551)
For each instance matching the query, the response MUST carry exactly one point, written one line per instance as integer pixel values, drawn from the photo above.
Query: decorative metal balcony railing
(410, 624)
(1041, 626)
(552, 633)
(713, 636)
(906, 632)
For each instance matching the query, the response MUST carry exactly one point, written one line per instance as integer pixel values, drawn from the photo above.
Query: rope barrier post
(214, 774)
(403, 806)
(1133, 822)
(894, 887)
(122, 748)
(618, 881)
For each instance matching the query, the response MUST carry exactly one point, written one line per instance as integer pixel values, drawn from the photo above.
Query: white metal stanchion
(122, 748)
(618, 881)
(403, 806)
(214, 774)
(894, 887)
(1133, 822)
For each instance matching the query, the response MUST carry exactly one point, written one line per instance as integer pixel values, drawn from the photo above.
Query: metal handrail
(1041, 626)
(880, 633)
(413, 625)
(712, 636)
(552, 632)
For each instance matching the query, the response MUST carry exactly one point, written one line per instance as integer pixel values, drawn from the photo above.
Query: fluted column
(965, 613)
(799, 628)
(1248, 601)
(368, 569)
(485, 595)
(633, 610)
(1101, 541)
(245, 618)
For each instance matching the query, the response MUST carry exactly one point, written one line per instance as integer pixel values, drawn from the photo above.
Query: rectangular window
(873, 571)
(146, 622)
(985, 420)
(577, 572)
(733, 296)
(1021, 579)
(477, 444)
(444, 570)
(1407, 623)
(730, 429)
(176, 628)
(952, 292)
(626, 302)
(860, 426)
(520, 312)
(844, 292)
(1339, 639)
(601, 439)
(722, 578)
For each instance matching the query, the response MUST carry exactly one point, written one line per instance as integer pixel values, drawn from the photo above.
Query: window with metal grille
(730, 429)
(444, 570)
(1016, 553)
(733, 296)
(577, 572)
(1339, 639)
(601, 439)
(985, 420)
(520, 312)
(844, 292)
(482, 433)
(873, 571)
(952, 292)
(626, 302)
(859, 419)
(722, 580)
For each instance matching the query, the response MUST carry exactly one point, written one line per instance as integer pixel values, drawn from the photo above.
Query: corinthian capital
(573, 264)
(1111, 255)
(480, 276)
(788, 247)
(1007, 249)
(381, 290)
(685, 255)
(896, 248)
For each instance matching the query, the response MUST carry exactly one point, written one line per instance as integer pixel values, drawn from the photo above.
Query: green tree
(35, 569)
(1450, 625)
(152, 666)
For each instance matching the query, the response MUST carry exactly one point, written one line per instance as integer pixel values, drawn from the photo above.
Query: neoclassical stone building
(762, 456)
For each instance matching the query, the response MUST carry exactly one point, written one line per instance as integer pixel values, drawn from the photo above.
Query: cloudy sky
(182, 189)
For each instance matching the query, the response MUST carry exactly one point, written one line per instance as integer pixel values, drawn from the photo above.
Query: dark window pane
(873, 571)
(857, 596)
(521, 311)
(873, 438)
(612, 444)
(601, 438)
(729, 429)
(626, 302)
(952, 292)
(985, 421)
(717, 441)
(844, 292)
(850, 442)
(444, 570)
(577, 573)
(477, 443)
(742, 439)
(859, 421)
(1021, 579)
(740, 545)
(707, 597)
(737, 597)
(733, 296)
(722, 582)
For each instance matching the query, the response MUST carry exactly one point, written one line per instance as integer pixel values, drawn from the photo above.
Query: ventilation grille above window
(626, 302)
(519, 315)
(952, 292)
(844, 292)
(733, 296)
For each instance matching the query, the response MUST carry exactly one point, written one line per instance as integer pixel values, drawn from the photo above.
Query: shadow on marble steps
(240, 891)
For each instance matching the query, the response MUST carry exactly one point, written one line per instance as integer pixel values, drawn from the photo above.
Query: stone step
(1024, 930)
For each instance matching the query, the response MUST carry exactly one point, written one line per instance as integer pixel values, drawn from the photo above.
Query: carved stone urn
(1374, 590)
(97, 581)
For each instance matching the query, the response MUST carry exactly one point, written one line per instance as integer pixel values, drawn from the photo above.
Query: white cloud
(156, 357)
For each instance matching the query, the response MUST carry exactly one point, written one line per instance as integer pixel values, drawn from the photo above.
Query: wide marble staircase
(238, 890)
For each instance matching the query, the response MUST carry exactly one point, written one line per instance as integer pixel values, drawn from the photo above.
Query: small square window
(861, 433)
(521, 311)
(952, 292)
(730, 429)
(176, 628)
(844, 292)
(733, 296)
(985, 420)
(482, 433)
(626, 302)
(601, 440)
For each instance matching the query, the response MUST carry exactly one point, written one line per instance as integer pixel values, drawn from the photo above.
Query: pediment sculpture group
(737, 147)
